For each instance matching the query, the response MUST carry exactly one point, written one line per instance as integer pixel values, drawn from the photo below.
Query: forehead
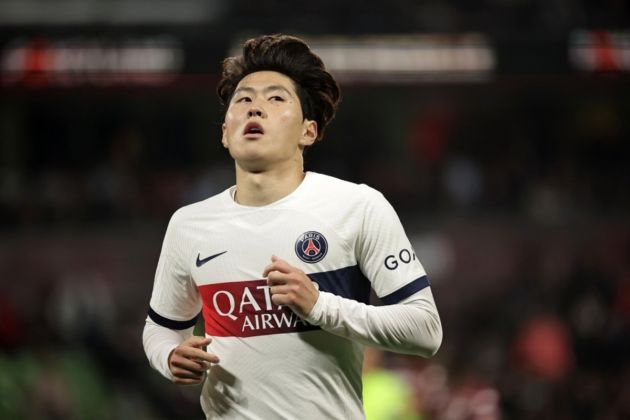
(262, 79)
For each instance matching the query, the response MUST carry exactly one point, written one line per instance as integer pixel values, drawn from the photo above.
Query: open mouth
(253, 129)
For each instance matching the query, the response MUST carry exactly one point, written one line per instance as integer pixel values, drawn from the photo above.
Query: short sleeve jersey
(346, 237)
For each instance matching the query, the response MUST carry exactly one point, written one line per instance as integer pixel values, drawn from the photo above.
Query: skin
(268, 167)
(271, 166)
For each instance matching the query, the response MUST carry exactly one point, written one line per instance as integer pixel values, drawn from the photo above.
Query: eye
(277, 98)
(243, 99)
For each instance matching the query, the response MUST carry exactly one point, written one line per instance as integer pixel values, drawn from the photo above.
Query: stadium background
(500, 133)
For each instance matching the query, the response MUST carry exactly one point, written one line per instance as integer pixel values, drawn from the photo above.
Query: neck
(265, 187)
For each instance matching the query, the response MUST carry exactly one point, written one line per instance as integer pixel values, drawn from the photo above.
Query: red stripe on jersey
(245, 309)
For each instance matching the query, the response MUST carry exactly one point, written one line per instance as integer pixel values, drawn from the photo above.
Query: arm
(412, 326)
(168, 332)
(159, 342)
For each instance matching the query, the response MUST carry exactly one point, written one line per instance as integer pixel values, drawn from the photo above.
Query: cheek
(286, 115)
(230, 121)
(289, 118)
(229, 116)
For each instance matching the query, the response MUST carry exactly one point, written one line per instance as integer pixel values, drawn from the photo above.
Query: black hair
(316, 88)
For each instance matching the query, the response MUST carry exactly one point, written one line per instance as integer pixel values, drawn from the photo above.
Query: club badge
(311, 247)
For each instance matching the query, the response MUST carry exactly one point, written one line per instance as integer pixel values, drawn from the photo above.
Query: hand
(188, 362)
(289, 286)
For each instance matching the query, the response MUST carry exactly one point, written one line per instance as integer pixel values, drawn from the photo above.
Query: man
(281, 264)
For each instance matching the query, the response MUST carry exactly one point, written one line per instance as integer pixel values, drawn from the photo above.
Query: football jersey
(346, 237)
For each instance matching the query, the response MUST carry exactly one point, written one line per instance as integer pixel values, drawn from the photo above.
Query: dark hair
(317, 90)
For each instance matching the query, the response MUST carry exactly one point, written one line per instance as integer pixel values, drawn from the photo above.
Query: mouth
(253, 130)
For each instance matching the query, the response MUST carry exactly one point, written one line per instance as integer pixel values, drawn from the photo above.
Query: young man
(281, 264)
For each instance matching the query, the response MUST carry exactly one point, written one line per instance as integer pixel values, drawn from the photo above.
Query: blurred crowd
(529, 150)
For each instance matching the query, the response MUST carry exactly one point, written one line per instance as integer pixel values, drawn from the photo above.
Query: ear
(224, 136)
(309, 133)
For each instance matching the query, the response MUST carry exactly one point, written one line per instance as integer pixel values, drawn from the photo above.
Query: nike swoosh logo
(205, 260)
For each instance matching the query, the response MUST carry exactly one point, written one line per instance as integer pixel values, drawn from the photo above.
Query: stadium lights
(45, 62)
(600, 50)
(408, 58)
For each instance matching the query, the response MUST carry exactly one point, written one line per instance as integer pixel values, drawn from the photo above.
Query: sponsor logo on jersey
(311, 247)
(201, 262)
(405, 256)
(245, 309)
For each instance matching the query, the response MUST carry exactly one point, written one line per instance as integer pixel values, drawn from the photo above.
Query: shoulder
(331, 186)
(191, 212)
(345, 204)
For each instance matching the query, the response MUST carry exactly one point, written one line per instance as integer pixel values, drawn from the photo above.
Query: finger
(276, 278)
(273, 267)
(187, 381)
(281, 265)
(268, 269)
(278, 264)
(190, 365)
(198, 354)
(183, 373)
(282, 299)
(197, 341)
(280, 290)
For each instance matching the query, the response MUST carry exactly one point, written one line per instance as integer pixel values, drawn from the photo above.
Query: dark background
(513, 188)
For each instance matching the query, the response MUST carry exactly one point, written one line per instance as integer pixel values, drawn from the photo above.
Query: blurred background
(500, 131)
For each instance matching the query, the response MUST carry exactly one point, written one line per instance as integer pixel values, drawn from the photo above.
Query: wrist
(166, 368)
(315, 316)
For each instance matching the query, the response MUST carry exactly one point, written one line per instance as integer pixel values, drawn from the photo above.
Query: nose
(256, 111)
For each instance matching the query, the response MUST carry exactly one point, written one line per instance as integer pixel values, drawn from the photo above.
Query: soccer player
(282, 263)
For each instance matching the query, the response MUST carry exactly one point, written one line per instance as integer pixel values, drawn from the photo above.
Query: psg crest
(311, 247)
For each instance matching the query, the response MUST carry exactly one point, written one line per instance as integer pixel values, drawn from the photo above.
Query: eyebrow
(265, 90)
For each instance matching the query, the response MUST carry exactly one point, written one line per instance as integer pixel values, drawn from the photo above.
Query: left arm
(412, 326)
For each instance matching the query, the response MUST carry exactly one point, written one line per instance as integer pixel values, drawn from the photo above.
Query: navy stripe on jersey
(169, 323)
(406, 291)
(348, 282)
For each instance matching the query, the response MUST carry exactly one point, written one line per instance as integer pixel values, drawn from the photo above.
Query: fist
(289, 286)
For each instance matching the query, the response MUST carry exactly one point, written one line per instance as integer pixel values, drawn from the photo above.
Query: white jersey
(274, 365)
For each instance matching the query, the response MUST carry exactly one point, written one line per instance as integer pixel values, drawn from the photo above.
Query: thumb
(274, 258)
(199, 342)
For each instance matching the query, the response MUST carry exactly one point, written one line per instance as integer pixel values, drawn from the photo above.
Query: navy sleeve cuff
(406, 291)
(169, 323)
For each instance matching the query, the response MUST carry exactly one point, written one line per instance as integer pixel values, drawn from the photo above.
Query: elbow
(427, 327)
(435, 343)
(429, 346)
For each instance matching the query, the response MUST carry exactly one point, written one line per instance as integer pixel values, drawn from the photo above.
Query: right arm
(168, 338)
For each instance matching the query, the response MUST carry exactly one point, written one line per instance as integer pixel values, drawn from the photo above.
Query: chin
(253, 164)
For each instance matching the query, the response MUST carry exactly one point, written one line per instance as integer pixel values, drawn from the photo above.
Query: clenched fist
(289, 286)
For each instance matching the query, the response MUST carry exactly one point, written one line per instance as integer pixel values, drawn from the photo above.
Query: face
(264, 126)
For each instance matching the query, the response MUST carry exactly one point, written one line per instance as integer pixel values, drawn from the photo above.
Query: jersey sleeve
(409, 321)
(384, 252)
(175, 301)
